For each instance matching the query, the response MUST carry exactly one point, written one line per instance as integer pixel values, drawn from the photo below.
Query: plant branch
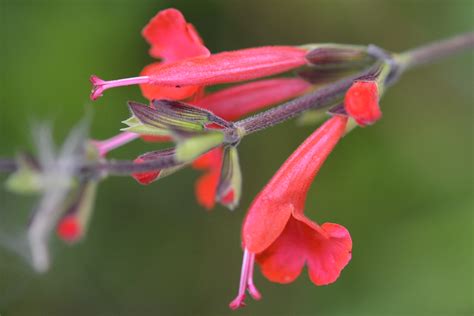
(432, 52)
(7, 165)
(314, 100)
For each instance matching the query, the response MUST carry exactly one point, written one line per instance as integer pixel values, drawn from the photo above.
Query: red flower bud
(145, 177)
(362, 102)
(69, 229)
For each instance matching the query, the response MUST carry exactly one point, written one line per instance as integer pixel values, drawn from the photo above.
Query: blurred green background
(403, 188)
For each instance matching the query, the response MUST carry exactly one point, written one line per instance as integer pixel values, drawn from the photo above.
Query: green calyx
(192, 147)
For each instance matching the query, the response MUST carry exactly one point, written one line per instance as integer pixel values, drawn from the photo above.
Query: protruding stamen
(250, 285)
(99, 85)
(246, 281)
(104, 146)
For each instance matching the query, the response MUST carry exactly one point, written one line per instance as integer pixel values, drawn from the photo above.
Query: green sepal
(153, 155)
(351, 124)
(231, 178)
(169, 116)
(26, 179)
(192, 147)
(312, 117)
(135, 126)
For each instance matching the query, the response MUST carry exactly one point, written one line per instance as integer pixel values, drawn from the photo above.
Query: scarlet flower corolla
(187, 64)
(276, 233)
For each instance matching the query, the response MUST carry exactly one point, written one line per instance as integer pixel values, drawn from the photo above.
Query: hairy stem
(432, 52)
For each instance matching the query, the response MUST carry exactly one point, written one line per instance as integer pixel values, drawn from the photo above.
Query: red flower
(362, 102)
(69, 229)
(206, 185)
(187, 64)
(276, 232)
(225, 67)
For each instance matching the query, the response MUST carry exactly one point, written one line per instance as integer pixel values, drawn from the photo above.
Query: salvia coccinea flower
(187, 64)
(276, 233)
(230, 104)
(361, 102)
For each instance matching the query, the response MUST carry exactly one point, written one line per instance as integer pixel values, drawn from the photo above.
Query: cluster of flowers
(276, 234)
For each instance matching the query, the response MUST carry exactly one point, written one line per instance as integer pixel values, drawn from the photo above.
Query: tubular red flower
(362, 102)
(151, 92)
(276, 230)
(285, 194)
(225, 67)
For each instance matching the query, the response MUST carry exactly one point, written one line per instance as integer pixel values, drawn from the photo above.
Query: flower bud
(362, 102)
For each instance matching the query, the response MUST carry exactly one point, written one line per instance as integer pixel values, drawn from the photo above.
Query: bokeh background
(404, 187)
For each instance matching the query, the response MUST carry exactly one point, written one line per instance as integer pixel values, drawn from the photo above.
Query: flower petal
(283, 261)
(327, 257)
(209, 159)
(206, 185)
(235, 102)
(227, 67)
(206, 188)
(161, 92)
(172, 38)
(264, 222)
